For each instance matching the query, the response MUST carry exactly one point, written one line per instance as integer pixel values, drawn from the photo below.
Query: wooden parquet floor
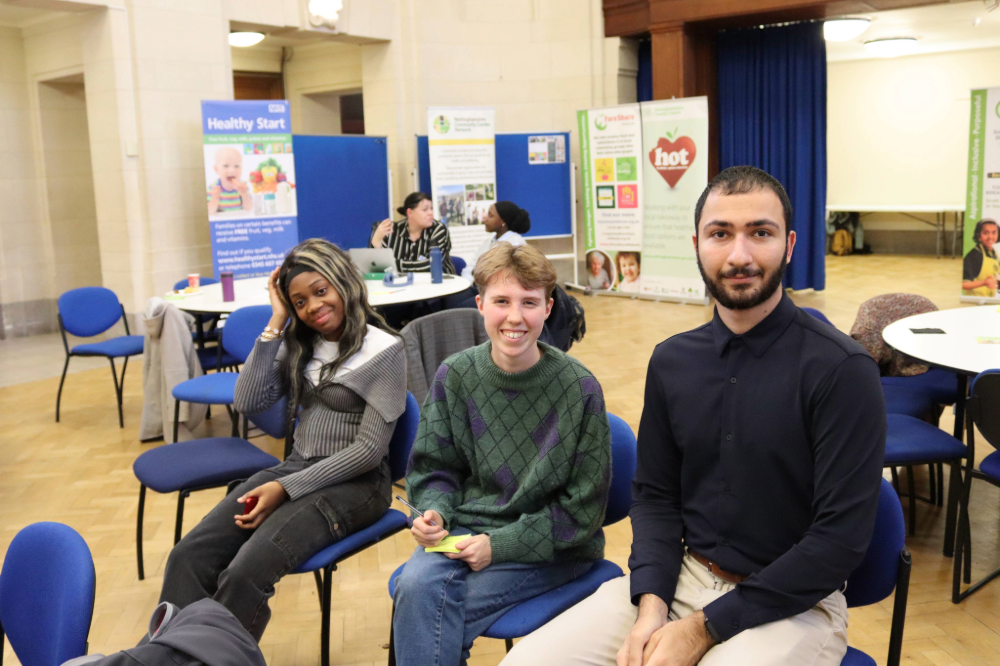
(79, 472)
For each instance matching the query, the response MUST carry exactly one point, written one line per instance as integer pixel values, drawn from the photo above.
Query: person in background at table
(513, 454)
(628, 264)
(759, 464)
(504, 221)
(980, 266)
(598, 277)
(412, 238)
(337, 362)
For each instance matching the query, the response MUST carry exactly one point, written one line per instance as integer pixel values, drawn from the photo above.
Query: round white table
(253, 291)
(957, 349)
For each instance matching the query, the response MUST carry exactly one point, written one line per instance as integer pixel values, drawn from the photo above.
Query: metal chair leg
(118, 392)
(177, 417)
(954, 488)
(236, 422)
(180, 515)
(509, 643)
(911, 486)
(392, 636)
(246, 426)
(124, 368)
(319, 588)
(61, 381)
(931, 485)
(138, 531)
(940, 484)
(895, 479)
(325, 633)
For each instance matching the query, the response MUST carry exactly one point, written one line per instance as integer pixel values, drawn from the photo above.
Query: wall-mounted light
(244, 39)
(891, 48)
(844, 29)
(325, 12)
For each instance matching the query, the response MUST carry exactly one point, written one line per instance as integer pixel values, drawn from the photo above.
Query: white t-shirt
(511, 237)
(376, 341)
(629, 287)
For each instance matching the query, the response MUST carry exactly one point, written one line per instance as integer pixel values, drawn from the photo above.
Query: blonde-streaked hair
(336, 267)
(525, 263)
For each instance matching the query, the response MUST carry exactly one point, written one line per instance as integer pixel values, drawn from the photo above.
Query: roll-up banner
(642, 176)
(462, 150)
(980, 267)
(249, 185)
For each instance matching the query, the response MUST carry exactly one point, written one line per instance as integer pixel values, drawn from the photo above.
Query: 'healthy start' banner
(642, 176)
(980, 268)
(461, 143)
(249, 185)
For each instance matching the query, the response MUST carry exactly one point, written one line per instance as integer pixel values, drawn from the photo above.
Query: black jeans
(239, 568)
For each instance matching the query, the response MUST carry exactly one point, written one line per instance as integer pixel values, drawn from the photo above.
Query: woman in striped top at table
(412, 238)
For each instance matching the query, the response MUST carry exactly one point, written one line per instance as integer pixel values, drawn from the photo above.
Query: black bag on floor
(566, 323)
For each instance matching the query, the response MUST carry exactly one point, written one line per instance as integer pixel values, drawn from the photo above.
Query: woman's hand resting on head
(279, 314)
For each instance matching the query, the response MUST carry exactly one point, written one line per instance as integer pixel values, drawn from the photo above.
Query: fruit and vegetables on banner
(267, 176)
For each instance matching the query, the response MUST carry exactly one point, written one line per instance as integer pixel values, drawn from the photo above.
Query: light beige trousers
(591, 633)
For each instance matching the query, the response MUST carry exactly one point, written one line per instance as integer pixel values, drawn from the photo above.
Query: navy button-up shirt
(763, 452)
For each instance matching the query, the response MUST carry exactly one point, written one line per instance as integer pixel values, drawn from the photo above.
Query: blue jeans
(442, 606)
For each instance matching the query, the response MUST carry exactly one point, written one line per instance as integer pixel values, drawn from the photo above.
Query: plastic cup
(194, 280)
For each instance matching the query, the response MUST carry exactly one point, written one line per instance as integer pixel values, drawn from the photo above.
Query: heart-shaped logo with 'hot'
(672, 159)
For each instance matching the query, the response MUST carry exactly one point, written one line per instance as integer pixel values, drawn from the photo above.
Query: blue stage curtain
(772, 115)
(644, 79)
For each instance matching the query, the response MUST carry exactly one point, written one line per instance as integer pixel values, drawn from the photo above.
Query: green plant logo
(997, 110)
(441, 125)
(600, 122)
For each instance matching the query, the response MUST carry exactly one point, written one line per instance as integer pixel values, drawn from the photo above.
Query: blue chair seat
(856, 658)
(200, 463)
(908, 400)
(939, 385)
(123, 345)
(991, 466)
(215, 389)
(909, 440)
(391, 522)
(209, 356)
(529, 615)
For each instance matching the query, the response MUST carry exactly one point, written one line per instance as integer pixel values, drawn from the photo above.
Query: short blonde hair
(526, 263)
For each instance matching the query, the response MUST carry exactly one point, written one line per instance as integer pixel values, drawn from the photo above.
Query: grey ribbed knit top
(347, 422)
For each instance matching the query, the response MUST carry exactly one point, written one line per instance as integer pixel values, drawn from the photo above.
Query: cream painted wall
(315, 69)
(898, 129)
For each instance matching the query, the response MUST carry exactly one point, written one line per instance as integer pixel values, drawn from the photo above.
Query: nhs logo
(275, 108)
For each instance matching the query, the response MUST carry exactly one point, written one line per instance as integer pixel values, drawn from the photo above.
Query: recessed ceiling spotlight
(244, 39)
(844, 29)
(893, 47)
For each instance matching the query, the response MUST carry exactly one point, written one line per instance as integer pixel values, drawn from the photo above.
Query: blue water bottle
(436, 276)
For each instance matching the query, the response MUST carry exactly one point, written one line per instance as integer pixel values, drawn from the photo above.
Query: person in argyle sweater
(514, 452)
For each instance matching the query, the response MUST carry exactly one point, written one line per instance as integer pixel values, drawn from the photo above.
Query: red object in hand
(249, 505)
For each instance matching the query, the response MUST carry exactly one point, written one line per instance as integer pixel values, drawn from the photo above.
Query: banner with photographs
(249, 185)
(980, 266)
(461, 145)
(641, 181)
(675, 144)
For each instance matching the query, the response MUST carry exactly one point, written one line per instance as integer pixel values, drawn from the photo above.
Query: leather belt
(716, 570)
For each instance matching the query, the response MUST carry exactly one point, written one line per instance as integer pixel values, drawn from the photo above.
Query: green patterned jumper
(523, 457)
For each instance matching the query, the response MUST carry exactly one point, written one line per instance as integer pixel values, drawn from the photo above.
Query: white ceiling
(15, 16)
(938, 28)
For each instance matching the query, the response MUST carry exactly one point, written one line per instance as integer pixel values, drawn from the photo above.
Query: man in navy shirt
(760, 455)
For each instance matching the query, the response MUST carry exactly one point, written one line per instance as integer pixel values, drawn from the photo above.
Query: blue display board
(343, 187)
(544, 190)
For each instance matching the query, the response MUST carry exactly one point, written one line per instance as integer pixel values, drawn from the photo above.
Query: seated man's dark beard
(744, 298)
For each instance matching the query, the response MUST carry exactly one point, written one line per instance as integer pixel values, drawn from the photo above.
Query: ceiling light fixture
(244, 39)
(844, 29)
(893, 47)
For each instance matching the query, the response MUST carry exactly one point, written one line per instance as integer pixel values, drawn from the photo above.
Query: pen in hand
(416, 511)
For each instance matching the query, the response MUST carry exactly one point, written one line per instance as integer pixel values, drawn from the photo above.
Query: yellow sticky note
(447, 544)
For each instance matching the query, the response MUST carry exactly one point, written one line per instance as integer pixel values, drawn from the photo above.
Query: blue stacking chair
(242, 329)
(47, 595)
(90, 311)
(983, 411)
(529, 615)
(324, 563)
(211, 358)
(819, 315)
(886, 567)
(200, 464)
(459, 264)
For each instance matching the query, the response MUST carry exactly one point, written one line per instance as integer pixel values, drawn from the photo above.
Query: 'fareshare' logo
(600, 122)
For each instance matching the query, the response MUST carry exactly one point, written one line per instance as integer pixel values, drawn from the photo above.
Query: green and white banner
(644, 167)
(980, 267)
(675, 142)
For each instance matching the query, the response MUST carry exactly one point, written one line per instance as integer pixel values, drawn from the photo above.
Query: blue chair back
(47, 594)
(459, 264)
(623, 463)
(274, 420)
(89, 311)
(819, 315)
(402, 438)
(875, 577)
(242, 329)
(205, 281)
(985, 391)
